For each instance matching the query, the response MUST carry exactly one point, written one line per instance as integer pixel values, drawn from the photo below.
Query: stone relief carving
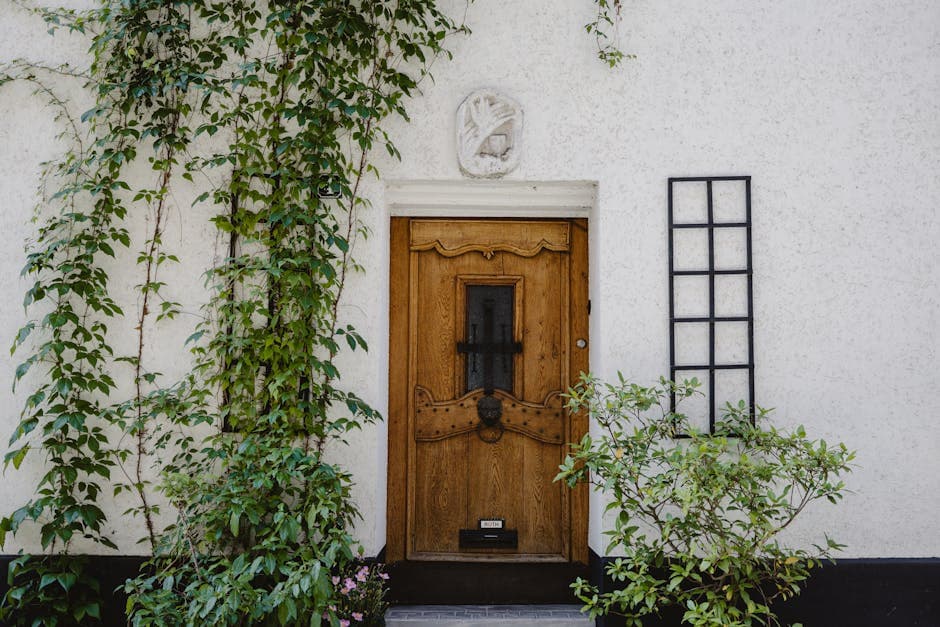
(489, 134)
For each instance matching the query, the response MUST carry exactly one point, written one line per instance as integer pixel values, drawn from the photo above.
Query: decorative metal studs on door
(711, 330)
(489, 352)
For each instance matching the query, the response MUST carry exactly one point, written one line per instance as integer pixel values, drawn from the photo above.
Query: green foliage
(259, 105)
(52, 590)
(604, 27)
(698, 518)
(255, 545)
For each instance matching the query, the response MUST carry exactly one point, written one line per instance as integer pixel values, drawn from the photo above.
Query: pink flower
(343, 623)
(361, 575)
(357, 616)
(384, 576)
(349, 585)
(335, 580)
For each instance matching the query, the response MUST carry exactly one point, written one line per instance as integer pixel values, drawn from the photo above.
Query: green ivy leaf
(22, 369)
(5, 526)
(16, 457)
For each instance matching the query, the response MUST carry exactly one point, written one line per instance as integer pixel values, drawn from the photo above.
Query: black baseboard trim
(889, 592)
(867, 592)
(111, 571)
(472, 583)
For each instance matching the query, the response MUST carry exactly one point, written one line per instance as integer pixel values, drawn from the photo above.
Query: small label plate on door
(492, 523)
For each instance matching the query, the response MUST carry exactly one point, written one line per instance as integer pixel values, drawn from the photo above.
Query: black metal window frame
(711, 272)
(481, 345)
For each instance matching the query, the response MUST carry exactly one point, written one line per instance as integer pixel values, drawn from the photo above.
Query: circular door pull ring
(490, 433)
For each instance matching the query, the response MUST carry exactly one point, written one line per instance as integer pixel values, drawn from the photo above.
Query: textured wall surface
(832, 108)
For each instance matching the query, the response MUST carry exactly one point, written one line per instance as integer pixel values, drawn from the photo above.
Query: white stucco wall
(832, 108)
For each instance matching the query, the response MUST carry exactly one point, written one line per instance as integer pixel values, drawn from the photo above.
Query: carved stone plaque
(489, 134)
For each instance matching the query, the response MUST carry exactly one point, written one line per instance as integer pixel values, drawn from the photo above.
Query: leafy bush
(51, 591)
(698, 517)
(254, 545)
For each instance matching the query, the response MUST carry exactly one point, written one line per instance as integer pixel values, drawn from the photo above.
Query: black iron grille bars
(728, 260)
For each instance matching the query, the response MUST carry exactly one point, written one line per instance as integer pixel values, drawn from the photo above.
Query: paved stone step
(487, 616)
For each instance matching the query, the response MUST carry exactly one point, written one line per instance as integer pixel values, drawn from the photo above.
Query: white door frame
(491, 199)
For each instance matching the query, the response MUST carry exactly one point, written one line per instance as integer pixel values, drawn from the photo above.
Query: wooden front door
(489, 327)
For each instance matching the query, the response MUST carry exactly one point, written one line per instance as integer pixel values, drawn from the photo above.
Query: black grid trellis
(708, 225)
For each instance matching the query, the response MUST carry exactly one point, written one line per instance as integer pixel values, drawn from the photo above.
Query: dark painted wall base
(849, 593)
(112, 571)
(853, 592)
(469, 583)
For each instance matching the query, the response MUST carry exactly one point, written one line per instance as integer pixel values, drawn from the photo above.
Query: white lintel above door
(491, 199)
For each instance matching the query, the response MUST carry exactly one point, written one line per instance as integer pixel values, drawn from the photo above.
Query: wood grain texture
(451, 478)
(462, 236)
(546, 320)
(496, 486)
(437, 330)
(545, 518)
(579, 362)
(441, 495)
(436, 420)
(396, 506)
(545, 316)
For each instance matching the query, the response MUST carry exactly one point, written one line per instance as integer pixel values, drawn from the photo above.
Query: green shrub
(50, 590)
(697, 518)
(256, 544)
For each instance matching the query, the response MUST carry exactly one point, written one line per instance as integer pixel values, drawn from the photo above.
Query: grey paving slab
(486, 615)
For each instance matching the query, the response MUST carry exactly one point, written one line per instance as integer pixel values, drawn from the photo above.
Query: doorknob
(581, 342)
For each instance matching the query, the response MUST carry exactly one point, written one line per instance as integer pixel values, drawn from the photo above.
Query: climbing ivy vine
(270, 111)
(268, 108)
(605, 29)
